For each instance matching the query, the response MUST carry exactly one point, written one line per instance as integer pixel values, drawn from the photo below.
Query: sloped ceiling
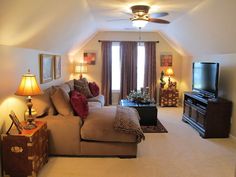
(63, 26)
(208, 29)
(198, 27)
(50, 25)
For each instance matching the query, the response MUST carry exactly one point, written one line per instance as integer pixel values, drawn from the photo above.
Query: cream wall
(227, 82)
(94, 71)
(207, 29)
(14, 63)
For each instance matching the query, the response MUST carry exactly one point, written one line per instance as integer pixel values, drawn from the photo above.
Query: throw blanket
(127, 121)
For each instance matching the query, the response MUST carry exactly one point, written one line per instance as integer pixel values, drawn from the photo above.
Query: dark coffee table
(147, 112)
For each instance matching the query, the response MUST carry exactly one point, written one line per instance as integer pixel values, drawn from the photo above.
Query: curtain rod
(125, 41)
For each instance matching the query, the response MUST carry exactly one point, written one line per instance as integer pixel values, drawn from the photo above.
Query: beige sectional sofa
(94, 136)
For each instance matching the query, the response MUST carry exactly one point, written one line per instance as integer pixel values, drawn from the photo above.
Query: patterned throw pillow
(79, 104)
(82, 86)
(94, 88)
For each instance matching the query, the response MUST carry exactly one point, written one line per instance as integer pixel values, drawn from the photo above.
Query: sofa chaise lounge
(93, 136)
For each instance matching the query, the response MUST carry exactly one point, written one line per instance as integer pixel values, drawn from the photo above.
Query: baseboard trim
(232, 137)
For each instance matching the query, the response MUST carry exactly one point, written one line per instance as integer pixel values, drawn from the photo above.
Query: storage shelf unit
(210, 117)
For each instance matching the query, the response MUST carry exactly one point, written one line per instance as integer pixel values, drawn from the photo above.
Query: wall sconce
(81, 68)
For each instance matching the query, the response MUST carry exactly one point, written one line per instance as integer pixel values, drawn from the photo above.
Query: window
(115, 67)
(140, 65)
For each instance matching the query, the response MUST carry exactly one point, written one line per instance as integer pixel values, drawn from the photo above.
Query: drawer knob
(16, 149)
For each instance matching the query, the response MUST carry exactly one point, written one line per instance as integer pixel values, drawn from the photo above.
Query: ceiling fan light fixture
(139, 23)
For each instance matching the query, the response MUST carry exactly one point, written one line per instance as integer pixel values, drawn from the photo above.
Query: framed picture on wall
(90, 58)
(57, 66)
(46, 68)
(166, 60)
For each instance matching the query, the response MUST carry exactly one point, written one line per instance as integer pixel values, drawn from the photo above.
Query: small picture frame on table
(16, 122)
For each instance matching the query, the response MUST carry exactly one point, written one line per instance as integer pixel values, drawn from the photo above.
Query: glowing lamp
(81, 68)
(29, 87)
(169, 72)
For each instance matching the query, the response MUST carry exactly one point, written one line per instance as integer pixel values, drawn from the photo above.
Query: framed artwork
(16, 122)
(166, 60)
(90, 58)
(57, 66)
(46, 68)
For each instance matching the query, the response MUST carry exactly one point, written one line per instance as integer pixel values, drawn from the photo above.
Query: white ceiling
(108, 12)
(197, 26)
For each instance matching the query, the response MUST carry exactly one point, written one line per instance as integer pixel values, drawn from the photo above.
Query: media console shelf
(210, 117)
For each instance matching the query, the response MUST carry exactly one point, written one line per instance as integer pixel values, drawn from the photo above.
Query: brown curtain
(128, 53)
(150, 68)
(106, 71)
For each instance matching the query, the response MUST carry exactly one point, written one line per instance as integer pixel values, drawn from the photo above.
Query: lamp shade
(81, 68)
(28, 86)
(169, 72)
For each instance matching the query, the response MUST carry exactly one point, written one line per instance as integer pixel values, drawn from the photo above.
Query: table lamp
(81, 68)
(29, 87)
(169, 72)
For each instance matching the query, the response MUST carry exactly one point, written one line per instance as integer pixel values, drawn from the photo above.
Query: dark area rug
(154, 129)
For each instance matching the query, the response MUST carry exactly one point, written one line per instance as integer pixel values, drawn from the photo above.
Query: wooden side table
(169, 96)
(24, 154)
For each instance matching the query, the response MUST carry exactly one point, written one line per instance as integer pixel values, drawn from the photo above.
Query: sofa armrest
(64, 134)
(99, 98)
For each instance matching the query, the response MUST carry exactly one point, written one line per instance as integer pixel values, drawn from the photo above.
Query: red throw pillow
(94, 88)
(79, 104)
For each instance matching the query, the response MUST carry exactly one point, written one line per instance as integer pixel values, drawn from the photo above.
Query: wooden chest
(168, 97)
(24, 154)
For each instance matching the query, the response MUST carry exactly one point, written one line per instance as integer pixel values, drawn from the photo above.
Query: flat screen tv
(205, 79)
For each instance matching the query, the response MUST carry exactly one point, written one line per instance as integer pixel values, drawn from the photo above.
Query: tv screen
(205, 78)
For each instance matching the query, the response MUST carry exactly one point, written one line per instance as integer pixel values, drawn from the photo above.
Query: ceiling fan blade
(127, 13)
(115, 20)
(158, 14)
(156, 20)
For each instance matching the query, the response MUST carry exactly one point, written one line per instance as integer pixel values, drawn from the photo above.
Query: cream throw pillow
(43, 105)
(61, 104)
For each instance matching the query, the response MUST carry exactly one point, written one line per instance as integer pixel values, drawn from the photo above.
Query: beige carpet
(179, 153)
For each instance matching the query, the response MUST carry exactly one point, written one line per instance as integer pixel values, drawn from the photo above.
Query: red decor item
(79, 103)
(94, 88)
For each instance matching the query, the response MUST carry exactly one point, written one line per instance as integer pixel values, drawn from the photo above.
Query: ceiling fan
(141, 16)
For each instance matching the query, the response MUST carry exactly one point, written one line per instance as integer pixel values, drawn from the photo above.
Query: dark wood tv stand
(210, 117)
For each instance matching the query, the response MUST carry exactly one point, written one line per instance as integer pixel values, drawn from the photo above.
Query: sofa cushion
(43, 105)
(94, 88)
(99, 99)
(65, 88)
(64, 134)
(79, 103)
(94, 104)
(81, 86)
(98, 126)
(60, 102)
(71, 84)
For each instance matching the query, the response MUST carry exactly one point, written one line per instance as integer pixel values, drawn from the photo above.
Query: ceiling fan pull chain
(139, 34)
